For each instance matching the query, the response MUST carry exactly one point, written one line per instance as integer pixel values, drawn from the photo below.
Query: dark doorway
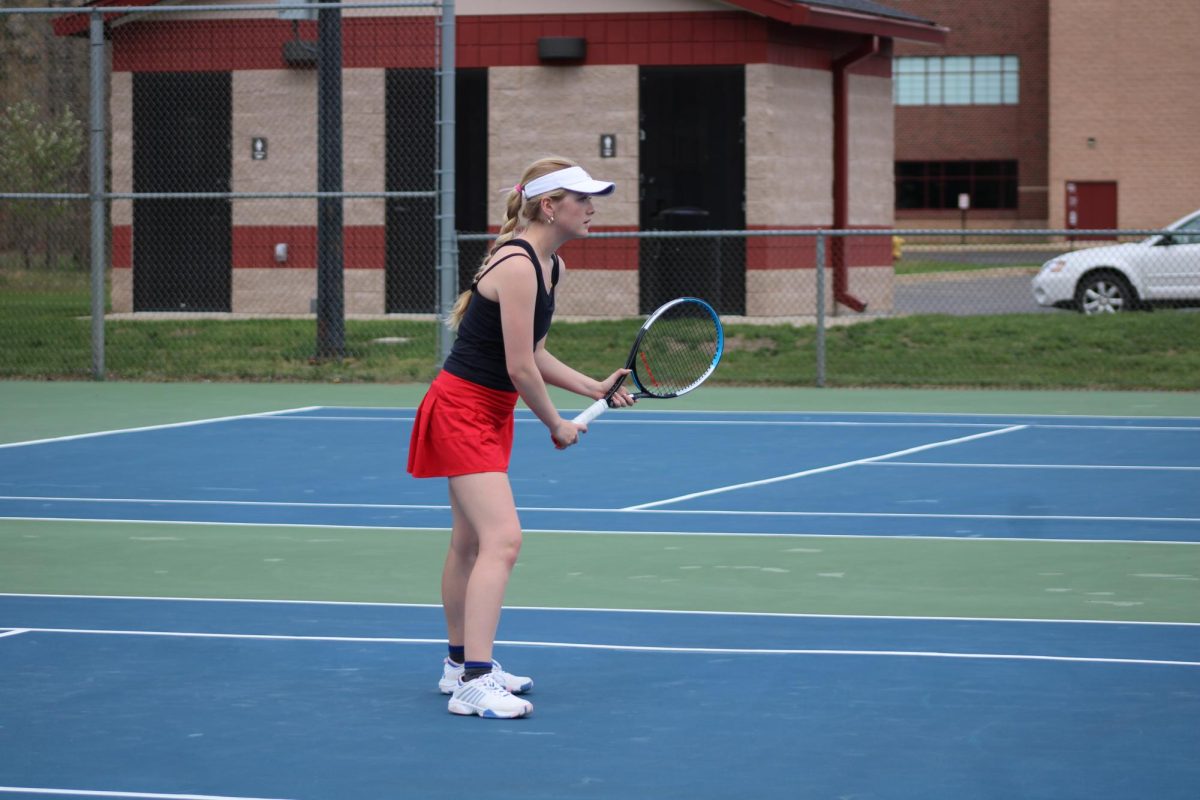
(692, 156)
(182, 143)
(471, 164)
(410, 284)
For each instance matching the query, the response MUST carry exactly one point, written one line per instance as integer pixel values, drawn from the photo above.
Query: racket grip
(591, 412)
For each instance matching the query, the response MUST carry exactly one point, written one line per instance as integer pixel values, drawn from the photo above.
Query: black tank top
(478, 352)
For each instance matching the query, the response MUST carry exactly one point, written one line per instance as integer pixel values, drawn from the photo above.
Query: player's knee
(504, 546)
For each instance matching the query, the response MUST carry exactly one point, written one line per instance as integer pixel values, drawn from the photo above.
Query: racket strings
(679, 349)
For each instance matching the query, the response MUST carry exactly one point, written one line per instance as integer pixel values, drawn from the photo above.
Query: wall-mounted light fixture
(562, 48)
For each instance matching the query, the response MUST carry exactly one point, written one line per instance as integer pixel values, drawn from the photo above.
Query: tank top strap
(529, 251)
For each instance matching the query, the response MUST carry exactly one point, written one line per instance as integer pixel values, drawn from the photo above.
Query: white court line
(830, 468)
(13, 632)
(644, 509)
(189, 423)
(678, 612)
(100, 793)
(618, 420)
(750, 651)
(953, 465)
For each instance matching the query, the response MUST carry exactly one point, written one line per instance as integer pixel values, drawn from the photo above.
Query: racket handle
(591, 412)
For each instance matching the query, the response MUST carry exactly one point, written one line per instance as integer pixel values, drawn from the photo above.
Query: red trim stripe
(483, 41)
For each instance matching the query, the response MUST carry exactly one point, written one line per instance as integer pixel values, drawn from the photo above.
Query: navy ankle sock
(458, 653)
(475, 669)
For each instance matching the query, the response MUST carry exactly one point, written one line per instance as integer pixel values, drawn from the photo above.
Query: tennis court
(889, 603)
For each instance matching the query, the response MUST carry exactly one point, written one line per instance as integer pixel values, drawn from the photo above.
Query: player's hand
(622, 398)
(566, 433)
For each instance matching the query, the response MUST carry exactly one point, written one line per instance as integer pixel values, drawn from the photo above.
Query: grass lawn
(47, 334)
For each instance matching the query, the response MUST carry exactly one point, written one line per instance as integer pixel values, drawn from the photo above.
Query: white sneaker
(485, 697)
(514, 684)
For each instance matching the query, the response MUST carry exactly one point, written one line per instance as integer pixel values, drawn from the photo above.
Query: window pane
(910, 90)
(956, 89)
(987, 63)
(986, 88)
(986, 194)
(1010, 63)
(957, 64)
(910, 193)
(934, 90)
(1011, 95)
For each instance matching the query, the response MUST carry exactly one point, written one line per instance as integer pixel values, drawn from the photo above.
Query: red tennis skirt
(461, 428)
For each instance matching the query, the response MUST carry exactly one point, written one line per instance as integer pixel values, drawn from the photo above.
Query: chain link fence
(263, 219)
(252, 201)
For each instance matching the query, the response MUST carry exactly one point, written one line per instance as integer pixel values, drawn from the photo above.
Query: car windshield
(1188, 232)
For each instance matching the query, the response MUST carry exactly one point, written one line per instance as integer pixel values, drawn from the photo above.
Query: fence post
(447, 234)
(96, 199)
(820, 266)
(331, 308)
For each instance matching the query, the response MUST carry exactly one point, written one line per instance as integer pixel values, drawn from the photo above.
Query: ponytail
(519, 213)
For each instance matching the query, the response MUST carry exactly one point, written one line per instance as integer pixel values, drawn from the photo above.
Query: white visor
(573, 179)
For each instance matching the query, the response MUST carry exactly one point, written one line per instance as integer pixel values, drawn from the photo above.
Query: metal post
(331, 322)
(96, 167)
(447, 270)
(820, 309)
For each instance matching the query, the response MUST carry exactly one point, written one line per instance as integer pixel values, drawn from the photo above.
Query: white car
(1161, 270)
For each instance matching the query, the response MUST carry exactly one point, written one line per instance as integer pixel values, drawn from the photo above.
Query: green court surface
(773, 574)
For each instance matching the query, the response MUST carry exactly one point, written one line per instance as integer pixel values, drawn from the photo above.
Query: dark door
(181, 143)
(471, 165)
(411, 166)
(1092, 205)
(692, 156)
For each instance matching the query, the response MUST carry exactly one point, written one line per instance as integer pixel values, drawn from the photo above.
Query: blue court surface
(157, 697)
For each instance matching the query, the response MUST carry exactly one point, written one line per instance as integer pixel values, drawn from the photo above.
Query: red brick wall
(946, 133)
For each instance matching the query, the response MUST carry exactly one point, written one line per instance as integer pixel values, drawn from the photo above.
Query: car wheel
(1104, 293)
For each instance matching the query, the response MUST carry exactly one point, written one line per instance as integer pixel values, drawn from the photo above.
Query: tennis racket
(677, 348)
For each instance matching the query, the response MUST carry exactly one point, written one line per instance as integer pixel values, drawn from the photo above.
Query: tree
(37, 155)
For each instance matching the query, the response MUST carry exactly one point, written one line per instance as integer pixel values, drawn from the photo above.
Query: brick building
(1048, 113)
(759, 114)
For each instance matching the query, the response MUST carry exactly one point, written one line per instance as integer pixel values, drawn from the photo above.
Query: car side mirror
(1166, 241)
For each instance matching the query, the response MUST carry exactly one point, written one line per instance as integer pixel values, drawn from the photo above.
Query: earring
(552, 220)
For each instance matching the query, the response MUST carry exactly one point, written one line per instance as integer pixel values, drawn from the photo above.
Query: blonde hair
(519, 214)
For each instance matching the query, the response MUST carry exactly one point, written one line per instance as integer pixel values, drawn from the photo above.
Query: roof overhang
(791, 12)
(801, 14)
(75, 23)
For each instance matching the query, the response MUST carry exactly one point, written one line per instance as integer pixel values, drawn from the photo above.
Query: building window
(927, 185)
(956, 80)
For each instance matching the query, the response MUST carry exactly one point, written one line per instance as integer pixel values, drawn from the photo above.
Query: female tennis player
(464, 426)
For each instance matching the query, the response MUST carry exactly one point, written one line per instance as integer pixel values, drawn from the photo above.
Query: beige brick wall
(597, 293)
(120, 113)
(789, 146)
(281, 105)
(789, 176)
(540, 111)
(872, 151)
(1126, 76)
(121, 289)
(293, 291)
(793, 292)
